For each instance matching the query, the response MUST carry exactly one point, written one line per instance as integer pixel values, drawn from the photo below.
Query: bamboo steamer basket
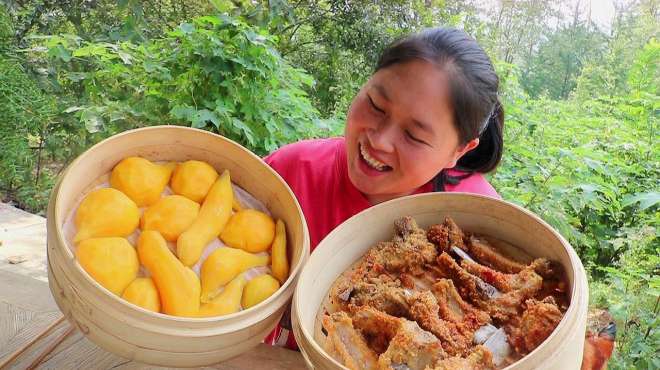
(137, 334)
(508, 223)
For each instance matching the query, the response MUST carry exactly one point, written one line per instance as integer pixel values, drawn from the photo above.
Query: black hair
(474, 87)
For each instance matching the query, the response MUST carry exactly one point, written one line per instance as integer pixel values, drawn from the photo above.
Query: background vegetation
(582, 103)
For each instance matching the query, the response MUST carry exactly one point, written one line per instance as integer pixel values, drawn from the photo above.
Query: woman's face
(400, 132)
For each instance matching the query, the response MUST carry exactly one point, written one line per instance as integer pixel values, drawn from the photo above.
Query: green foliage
(631, 292)
(216, 73)
(25, 112)
(597, 159)
(585, 174)
(590, 167)
(553, 70)
(102, 20)
(339, 42)
(513, 30)
(6, 29)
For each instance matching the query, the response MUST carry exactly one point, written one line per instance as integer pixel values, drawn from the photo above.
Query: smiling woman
(400, 131)
(427, 120)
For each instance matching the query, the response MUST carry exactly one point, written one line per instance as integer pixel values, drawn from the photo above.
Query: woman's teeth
(373, 162)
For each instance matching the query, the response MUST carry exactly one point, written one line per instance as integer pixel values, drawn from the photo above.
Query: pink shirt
(317, 172)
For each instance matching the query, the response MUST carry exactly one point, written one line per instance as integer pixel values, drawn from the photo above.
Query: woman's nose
(382, 138)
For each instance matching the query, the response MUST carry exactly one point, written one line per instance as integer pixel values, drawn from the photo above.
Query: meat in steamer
(409, 346)
(500, 306)
(414, 278)
(408, 251)
(538, 321)
(348, 343)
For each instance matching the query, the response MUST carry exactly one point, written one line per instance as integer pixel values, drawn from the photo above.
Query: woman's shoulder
(474, 183)
(306, 159)
(306, 150)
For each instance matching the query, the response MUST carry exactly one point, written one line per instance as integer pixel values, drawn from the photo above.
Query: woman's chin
(368, 185)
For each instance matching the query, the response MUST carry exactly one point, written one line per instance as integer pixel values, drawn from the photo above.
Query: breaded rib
(349, 343)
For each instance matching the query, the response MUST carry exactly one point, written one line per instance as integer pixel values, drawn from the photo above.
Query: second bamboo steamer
(474, 213)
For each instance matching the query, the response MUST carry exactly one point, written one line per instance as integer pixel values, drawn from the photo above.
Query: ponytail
(484, 158)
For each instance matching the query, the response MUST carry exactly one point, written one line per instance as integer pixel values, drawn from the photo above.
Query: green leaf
(76, 76)
(184, 112)
(187, 28)
(100, 50)
(223, 6)
(645, 200)
(125, 57)
(73, 109)
(150, 66)
(203, 116)
(209, 19)
(92, 121)
(245, 130)
(60, 52)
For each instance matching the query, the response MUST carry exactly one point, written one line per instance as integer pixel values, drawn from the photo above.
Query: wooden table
(27, 308)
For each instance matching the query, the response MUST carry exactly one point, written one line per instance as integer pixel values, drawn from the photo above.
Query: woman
(427, 120)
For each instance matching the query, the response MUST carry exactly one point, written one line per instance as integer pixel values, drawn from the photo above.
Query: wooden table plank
(22, 235)
(25, 292)
(14, 218)
(27, 308)
(12, 341)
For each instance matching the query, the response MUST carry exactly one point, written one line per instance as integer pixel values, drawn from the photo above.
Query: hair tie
(484, 125)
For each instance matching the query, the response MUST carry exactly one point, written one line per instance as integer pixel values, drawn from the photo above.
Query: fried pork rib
(447, 235)
(408, 346)
(406, 255)
(424, 281)
(440, 310)
(487, 255)
(408, 304)
(479, 359)
(408, 251)
(386, 296)
(404, 344)
(456, 338)
(453, 308)
(348, 343)
(539, 320)
(500, 306)
(506, 282)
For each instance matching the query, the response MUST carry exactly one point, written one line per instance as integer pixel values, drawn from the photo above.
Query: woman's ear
(461, 151)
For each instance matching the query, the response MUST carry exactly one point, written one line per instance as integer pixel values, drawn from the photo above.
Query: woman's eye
(415, 139)
(374, 106)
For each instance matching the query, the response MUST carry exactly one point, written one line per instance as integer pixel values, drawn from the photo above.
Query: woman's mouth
(371, 162)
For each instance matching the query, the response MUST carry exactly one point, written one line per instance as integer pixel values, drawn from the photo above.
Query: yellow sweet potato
(212, 218)
(178, 286)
